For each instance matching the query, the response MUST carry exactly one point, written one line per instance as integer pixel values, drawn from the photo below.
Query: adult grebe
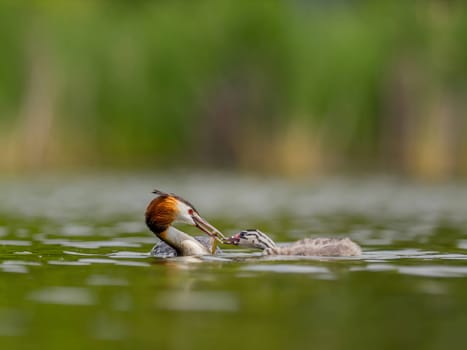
(168, 208)
(308, 246)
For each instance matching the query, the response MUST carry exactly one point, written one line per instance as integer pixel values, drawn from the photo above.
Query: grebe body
(163, 250)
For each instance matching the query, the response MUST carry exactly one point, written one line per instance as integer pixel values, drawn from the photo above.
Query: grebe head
(251, 238)
(169, 208)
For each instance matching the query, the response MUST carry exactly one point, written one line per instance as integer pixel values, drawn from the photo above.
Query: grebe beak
(207, 228)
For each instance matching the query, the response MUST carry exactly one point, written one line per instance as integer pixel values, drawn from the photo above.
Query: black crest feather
(164, 194)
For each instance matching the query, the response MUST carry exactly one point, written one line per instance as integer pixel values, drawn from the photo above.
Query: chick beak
(235, 239)
(210, 230)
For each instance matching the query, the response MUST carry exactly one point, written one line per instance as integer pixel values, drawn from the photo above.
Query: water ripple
(88, 244)
(434, 271)
(15, 243)
(63, 295)
(287, 268)
(104, 280)
(197, 301)
(113, 262)
(12, 322)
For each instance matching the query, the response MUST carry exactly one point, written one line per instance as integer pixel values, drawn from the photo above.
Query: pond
(75, 271)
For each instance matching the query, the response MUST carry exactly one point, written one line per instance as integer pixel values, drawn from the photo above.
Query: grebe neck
(183, 243)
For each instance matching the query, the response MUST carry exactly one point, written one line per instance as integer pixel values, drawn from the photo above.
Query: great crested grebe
(168, 208)
(305, 247)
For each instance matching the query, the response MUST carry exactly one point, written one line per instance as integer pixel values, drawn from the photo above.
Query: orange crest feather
(161, 212)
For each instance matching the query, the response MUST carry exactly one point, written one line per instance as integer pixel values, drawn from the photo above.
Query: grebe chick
(168, 208)
(303, 247)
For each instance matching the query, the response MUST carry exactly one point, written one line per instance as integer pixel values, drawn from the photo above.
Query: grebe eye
(190, 211)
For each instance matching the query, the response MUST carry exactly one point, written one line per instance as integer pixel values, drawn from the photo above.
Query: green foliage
(149, 82)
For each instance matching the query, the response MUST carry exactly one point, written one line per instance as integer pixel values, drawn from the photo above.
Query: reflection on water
(74, 264)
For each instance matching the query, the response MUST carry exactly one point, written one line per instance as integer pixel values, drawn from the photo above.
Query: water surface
(75, 271)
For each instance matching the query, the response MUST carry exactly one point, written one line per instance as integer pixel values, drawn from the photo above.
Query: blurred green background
(293, 88)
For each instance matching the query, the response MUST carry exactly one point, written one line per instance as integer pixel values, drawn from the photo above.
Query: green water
(75, 271)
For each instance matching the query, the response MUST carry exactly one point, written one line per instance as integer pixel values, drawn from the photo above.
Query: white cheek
(183, 215)
(185, 219)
